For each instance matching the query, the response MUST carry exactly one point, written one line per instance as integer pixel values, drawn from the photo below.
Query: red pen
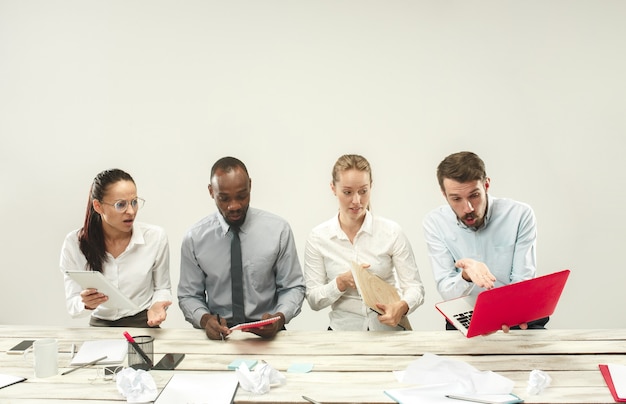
(140, 351)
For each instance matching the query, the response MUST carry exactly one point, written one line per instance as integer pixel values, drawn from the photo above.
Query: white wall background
(162, 89)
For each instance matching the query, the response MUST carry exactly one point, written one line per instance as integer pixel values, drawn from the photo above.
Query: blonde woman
(355, 234)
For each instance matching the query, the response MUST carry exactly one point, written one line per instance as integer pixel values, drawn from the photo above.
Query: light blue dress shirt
(272, 276)
(506, 243)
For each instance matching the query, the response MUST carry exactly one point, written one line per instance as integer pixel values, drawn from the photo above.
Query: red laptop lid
(517, 303)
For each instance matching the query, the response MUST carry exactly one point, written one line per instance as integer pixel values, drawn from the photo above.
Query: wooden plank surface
(347, 366)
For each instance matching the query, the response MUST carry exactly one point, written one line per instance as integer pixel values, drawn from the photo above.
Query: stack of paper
(114, 349)
(615, 378)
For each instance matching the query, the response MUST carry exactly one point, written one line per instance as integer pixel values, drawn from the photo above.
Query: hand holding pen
(220, 325)
(214, 326)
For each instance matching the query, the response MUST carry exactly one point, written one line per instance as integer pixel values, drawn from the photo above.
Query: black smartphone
(169, 361)
(21, 347)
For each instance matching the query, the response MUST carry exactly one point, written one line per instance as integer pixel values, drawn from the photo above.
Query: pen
(84, 365)
(138, 349)
(511, 398)
(219, 322)
(310, 400)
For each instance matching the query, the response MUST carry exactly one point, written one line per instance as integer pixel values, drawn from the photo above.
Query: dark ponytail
(91, 236)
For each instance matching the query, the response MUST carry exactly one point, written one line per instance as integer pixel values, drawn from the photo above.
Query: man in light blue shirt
(273, 284)
(476, 241)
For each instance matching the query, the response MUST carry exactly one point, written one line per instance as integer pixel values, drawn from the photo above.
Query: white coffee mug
(46, 357)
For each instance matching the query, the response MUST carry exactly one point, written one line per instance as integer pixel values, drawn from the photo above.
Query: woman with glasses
(133, 256)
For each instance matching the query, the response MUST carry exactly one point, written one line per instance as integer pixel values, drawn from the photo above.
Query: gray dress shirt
(272, 276)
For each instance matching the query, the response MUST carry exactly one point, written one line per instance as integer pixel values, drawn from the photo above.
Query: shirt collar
(462, 225)
(137, 236)
(226, 227)
(366, 227)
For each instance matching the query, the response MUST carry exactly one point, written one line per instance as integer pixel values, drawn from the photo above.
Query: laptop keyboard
(464, 318)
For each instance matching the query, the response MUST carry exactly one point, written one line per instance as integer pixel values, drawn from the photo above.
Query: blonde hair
(351, 162)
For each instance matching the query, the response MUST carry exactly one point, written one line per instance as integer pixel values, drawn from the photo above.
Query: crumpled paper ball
(137, 386)
(538, 381)
(260, 380)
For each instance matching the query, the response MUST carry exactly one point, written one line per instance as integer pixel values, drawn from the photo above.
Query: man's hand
(476, 272)
(270, 330)
(214, 329)
(391, 314)
(158, 313)
(506, 328)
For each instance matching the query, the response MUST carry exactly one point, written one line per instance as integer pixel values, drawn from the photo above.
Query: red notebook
(604, 369)
(255, 324)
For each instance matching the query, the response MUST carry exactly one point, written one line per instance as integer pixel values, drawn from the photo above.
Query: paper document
(7, 380)
(440, 394)
(187, 387)
(114, 349)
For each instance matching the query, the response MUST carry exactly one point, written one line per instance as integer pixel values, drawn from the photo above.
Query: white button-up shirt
(329, 253)
(141, 272)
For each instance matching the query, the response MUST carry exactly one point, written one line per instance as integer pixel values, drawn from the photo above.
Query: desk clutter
(346, 367)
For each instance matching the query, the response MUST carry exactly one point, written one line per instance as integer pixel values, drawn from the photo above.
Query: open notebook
(114, 349)
(510, 305)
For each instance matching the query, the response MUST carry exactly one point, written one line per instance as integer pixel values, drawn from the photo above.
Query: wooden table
(348, 366)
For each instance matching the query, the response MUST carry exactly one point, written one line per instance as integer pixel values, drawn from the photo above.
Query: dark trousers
(139, 320)
(532, 325)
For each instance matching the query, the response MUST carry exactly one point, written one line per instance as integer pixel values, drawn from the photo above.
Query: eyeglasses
(122, 205)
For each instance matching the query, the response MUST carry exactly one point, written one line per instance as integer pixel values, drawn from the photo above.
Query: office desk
(348, 366)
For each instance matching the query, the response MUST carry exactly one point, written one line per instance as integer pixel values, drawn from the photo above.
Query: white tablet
(95, 280)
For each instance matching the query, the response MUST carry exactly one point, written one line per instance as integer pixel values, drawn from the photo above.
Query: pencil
(84, 365)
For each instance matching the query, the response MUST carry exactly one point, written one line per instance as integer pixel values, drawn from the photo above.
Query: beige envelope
(374, 290)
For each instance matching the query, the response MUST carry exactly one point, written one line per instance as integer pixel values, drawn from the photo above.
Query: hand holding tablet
(95, 280)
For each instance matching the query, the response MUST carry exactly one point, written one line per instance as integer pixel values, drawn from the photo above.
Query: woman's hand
(157, 313)
(346, 281)
(391, 314)
(92, 298)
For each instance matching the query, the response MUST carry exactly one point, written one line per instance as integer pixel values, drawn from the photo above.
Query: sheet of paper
(7, 380)
(422, 394)
(618, 374)
(114, 349)
(442, 394)
(188, 387)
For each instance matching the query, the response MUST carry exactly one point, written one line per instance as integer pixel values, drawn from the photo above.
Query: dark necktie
(236, 275)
